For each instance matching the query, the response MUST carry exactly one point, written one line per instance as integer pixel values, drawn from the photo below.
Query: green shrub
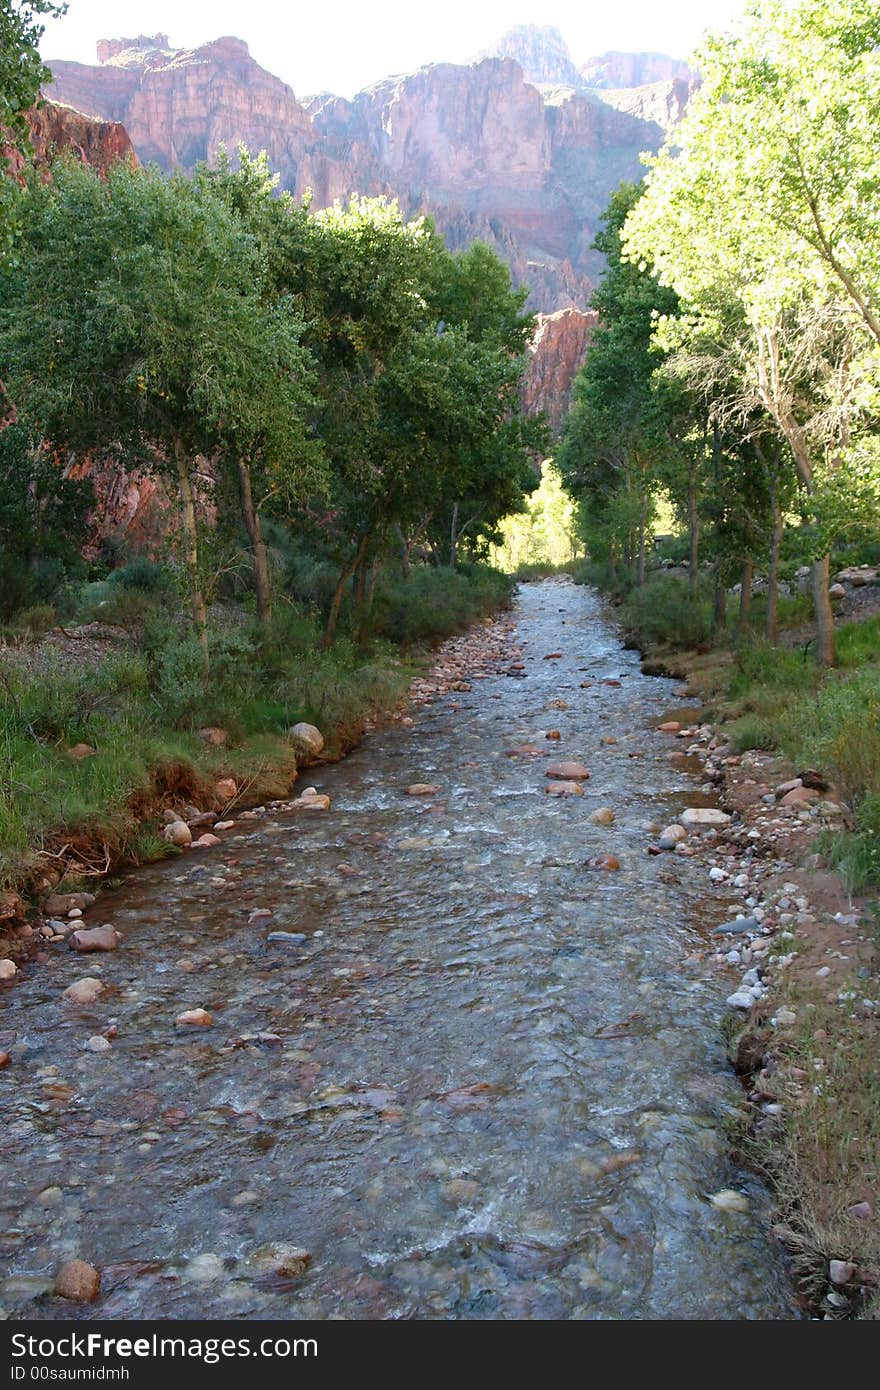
(662, 610)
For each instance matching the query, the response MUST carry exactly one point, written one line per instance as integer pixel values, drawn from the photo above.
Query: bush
(663, 611)
(434, 603)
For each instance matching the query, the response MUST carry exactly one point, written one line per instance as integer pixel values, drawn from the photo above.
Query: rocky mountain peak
(541, 52)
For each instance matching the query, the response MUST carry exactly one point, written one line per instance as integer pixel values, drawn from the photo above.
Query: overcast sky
(344, 45)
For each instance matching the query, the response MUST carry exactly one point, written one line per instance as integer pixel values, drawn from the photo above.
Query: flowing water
(490, 1081)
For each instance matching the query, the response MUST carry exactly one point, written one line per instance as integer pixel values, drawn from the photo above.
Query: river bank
(431, 1037)
(803, 1019)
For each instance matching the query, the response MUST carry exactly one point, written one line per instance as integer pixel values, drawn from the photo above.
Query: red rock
(553, 656)
(556, 354)
(800, 796)
(78, 1281)
(671, 726)
(611, 682)
(570, 772)
(525, 750)
(88, 939)
(564, 789)
(5, 1060)
(225, 790)
(204, 819)
(59, 904)
(84, 991)
(194, 1018)
(206, 841)
(11, 907)
(553, 734)
(82, 750)
(605, 862)
(422, 789)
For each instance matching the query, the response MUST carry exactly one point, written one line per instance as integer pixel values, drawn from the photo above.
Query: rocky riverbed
(446, 1046)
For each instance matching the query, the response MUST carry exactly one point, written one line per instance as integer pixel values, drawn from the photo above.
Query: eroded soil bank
(451, 1070)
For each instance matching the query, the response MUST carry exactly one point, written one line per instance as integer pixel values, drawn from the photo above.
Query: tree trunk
(771, 622)
(719, 601)
(191, 544)
(693, 532)
(825, 653)
(405, 547)
(335, 606)
(371, 587)
(643, 523)
(453, 537)
(258, 545)
(745, 595)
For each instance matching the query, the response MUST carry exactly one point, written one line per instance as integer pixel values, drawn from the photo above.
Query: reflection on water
(486, 1084)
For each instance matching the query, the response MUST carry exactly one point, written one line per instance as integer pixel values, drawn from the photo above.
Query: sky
(344, 45)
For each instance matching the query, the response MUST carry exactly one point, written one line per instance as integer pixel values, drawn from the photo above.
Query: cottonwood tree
(737, 209)
(132, 319)
(22, 73)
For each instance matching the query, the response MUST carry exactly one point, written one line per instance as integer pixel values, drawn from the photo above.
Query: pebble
(295, 938)
(564, 789)
(604, 862)
(204, 1269)
(8, 969)
(841, 1272)
(194, 1018)
(786, 1017)
(422, 789)
(671, 836)
(97, 1043)
(568, 772)
(741, 924)
(206, 841)
(286, 1261)
(603, 815)
(729, 1200)
(700, 816)
(78, 1281)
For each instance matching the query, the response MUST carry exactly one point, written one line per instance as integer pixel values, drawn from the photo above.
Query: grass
(141, 711)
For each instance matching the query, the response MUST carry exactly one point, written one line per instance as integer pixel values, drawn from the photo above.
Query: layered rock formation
(615, 70)
(556, 355)
(53, 127)
(487, 153)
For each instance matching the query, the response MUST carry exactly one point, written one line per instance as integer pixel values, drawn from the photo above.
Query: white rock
(704, 816)
(786, 1017)
(8, 969)
(204, 1269)
(728, 1200)
(308, 738)
(741, 999)
(97, 1044)
(841, 1271)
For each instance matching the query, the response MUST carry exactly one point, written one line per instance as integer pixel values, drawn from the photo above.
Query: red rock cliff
(556, 355)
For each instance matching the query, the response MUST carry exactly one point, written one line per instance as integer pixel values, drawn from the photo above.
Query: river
(488, 1082)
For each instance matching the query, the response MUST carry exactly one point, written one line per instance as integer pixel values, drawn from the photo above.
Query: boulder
(11, 907)
(89, 939)
(206, 841)
(8, 969)
(603, 815)
(800, 796)
(84, 991)
(178, 833)
(311, 801)
(307, 738)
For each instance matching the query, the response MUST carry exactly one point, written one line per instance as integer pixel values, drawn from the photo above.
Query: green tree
(133, 318)
(21, 75)
(763, 199)
(619, 432)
